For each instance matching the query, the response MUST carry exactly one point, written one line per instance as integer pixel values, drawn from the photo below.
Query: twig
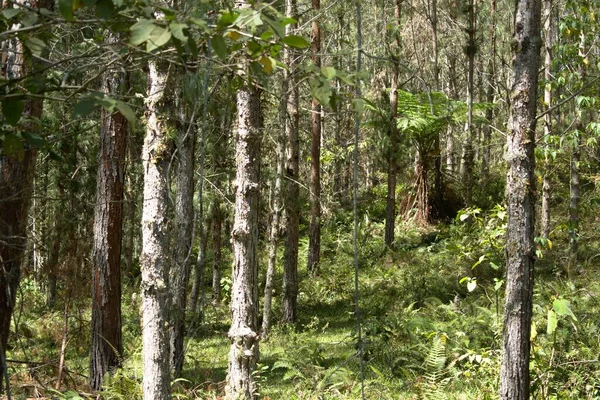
(63, 346)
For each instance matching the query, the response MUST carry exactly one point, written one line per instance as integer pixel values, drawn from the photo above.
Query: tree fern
(435, 377)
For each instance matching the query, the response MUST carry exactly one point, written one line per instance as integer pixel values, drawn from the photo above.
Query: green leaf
(141, 31)
(11, 12)
(177, 29)
(13, 146)
(126, 111)
(200, 23)
(562, 307)
(34, 139)
(12, 110)
(552, 322)
(328, 72)
(35, 45)
(218, 44)
(295, 41)
(159, 37)
(66, 9)
(105, 9)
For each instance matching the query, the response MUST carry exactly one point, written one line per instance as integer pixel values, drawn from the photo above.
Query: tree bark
(468, 158)
(154, 259)
(106, 341)
(520, 250)
(184, 225)
(390, 214)
(289, 302)
(217, 223)
(314, 243)
(546, 185)
(489, 97)
(16, 186)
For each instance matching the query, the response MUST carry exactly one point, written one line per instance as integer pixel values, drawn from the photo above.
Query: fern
(435, 378)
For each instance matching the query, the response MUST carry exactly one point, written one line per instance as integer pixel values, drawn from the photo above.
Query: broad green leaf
(127, 112)
(105, 9)
(552, 322)
(321, 91)
(12, 109)
(141, 31)
(84, 107)
(295, 41)
(177, 29)
(159, 37)
(200, 23)
(34, 139)
(219, 46)
(562, 307)
(13, 146)
(11, 12)
(66, 9)
(35, 45)
(328, 72)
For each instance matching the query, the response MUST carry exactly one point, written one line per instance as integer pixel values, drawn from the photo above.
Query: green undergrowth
(431, 314)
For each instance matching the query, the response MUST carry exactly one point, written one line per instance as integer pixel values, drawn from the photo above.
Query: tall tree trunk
(16, 187)
(546, 185)
(489, 97)
(184, 225)
(217, 223)
(390, 214)
(292, 190)
(314, 244)
(154, 259)
(106, 340)
(468, 159)
(520, 188)
(244, 335)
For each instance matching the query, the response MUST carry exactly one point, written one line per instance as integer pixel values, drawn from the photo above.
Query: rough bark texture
(390, 212)
(520, 251)
(276, 193)
(16, 187)
(106, 340)
(217, 223)
(546, 184)
(314, 235)
(244, 336)
(489, 97)
(184, 224)
(154, 258)
(289, 301)
(468, 158)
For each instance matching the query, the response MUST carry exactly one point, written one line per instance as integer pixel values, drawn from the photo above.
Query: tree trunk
(244, 336)
(468, 158)
(390, 214)
(546, 185)
(489, 97)
(106, 341)
(217, 223)
(520, 187)
(184, 225)
(314, 244)
(289, 301)
(16, 186)
(154, 258)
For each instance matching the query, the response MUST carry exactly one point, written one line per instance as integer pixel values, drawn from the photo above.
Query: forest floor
(431, 313)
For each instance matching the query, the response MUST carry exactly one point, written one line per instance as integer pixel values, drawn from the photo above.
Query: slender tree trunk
(452, 93)
(314, 244)
(546, 185)
(574, 200)
(292, 190)
(489, 97)
(244, 335)
(217, 223)
(106, 340)
(390, 214)
(468, 158)
(184, 225)
(154, 258)
(520, 188)
(16, 186)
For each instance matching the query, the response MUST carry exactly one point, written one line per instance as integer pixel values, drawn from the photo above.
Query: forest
(299, 199)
